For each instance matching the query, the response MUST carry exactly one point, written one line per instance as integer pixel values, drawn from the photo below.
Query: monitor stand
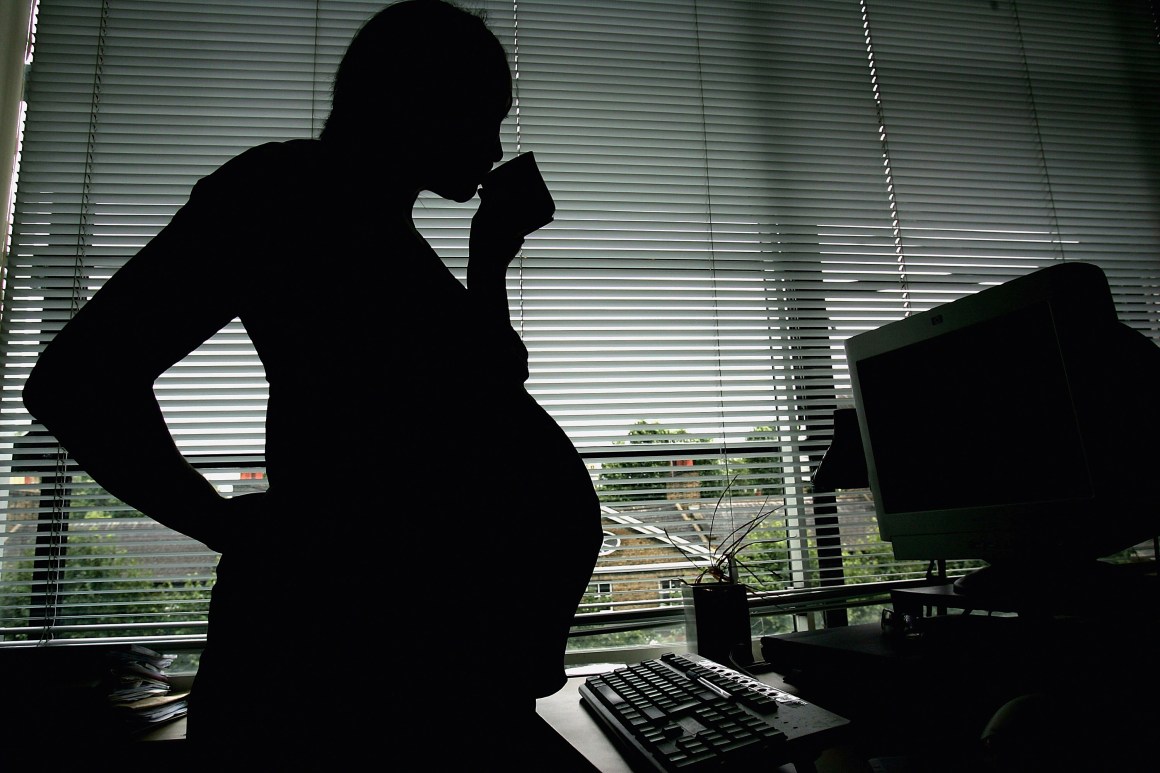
(996, 580)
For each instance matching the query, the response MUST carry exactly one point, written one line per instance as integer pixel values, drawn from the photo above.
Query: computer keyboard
(684, 712)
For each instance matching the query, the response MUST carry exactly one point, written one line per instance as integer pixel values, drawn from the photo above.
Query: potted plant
(716, 601)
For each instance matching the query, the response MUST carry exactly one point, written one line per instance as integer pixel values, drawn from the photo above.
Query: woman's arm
(92, 387)
(514, 202)
(491, 249)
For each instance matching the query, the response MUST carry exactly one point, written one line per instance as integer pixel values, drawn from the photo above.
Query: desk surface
(562, 710)
(565, 713)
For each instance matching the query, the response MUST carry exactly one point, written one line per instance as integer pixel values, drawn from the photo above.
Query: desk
(564, 713)
(932, 698)
(561, 710)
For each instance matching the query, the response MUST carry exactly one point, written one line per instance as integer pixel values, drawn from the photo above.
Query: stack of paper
(139, 691)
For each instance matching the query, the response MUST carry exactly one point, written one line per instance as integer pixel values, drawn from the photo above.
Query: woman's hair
(406, 58)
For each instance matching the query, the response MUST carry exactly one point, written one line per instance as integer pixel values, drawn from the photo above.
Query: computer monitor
(1018, 425)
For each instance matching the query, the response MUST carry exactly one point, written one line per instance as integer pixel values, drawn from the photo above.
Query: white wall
(14, 15)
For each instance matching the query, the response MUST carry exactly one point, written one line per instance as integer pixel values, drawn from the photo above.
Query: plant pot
(717, 622)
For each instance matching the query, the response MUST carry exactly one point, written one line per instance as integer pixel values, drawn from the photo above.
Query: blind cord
(55, 549)
(519, 147)
(314, 128)
(707, 169)
(1056, 235)
(895, 223)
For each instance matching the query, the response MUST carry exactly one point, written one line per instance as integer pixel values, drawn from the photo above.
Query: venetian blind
(740, 186)
(129, 104)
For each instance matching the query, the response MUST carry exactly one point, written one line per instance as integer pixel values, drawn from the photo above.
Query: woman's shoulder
(281, 154)
(272, 165)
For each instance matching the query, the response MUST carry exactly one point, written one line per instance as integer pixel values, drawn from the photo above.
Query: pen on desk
(719, 690)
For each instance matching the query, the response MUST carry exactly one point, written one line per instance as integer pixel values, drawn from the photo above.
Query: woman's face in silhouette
(461, 141)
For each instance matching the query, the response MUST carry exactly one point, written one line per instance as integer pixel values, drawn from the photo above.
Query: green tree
(100, 579)
(637, 480)
(757, 475)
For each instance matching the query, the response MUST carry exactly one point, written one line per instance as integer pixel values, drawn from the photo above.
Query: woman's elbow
(42, 393)
(52, 391)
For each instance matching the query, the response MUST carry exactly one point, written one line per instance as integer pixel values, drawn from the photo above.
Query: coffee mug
(517, 189)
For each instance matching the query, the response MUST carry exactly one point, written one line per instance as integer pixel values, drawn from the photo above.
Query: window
(669, 590)
(740, 187)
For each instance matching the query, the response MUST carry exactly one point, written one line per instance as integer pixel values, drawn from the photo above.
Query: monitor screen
(1004, 426)
(991, 410)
